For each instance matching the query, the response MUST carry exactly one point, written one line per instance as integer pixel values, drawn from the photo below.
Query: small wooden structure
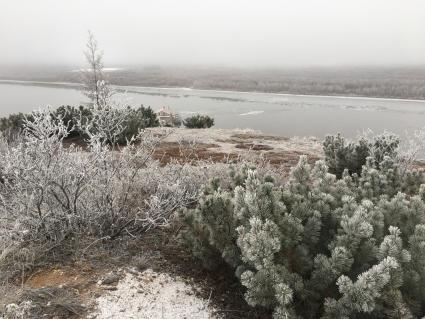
(165, 117)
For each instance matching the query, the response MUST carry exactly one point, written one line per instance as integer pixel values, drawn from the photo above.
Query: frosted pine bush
(341, 154)
(319, 246)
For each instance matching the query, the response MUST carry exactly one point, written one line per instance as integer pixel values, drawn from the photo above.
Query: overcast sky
(215, 32)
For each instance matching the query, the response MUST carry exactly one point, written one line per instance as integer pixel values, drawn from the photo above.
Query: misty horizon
(272, 34)
(274, 68)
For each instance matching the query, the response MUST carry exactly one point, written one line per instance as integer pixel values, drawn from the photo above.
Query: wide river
(282, 114)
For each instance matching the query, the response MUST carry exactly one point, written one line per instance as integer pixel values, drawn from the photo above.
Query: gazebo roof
(164, 109)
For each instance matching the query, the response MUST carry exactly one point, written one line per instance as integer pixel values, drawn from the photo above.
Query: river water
(281, 114)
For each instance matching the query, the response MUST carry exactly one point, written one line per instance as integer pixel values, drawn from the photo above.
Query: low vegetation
(54, 196)
(318, 245)
(341, 155)
(199, 121)
(133, 120)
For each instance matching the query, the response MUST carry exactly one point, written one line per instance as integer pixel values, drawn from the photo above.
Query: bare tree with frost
(95, 85)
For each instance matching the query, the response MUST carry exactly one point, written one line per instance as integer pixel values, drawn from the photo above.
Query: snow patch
(152, 295)
(251, 113)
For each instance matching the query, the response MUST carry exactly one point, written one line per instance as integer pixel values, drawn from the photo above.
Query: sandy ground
(227, 140)
(149, 295)
(224, 145)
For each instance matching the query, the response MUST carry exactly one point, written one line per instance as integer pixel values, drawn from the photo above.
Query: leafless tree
(95, 85)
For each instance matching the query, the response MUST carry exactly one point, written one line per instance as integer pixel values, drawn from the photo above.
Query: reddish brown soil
(254, 147)
(78, 276)
(168, 151)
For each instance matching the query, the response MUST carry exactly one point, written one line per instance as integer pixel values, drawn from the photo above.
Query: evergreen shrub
(319, 246)
(199, 121)
(70, 116)
(341, 154)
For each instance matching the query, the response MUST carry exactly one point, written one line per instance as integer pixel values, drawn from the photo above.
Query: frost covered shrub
(50, 190)
(68, 115)
(53, 195)
(137, 119)
(341, 155)
(318, 246)
(13, 123)
(133, 120)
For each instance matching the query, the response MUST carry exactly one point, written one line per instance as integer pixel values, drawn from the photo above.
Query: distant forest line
(385, 82)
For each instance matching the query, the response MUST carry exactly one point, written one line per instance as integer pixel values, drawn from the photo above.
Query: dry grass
(48, 302)
(223, 146)
(251, 136)
(69, 289)
(254, 147)
(169, 151)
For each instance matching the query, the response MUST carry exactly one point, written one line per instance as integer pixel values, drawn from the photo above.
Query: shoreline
(70, 85)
